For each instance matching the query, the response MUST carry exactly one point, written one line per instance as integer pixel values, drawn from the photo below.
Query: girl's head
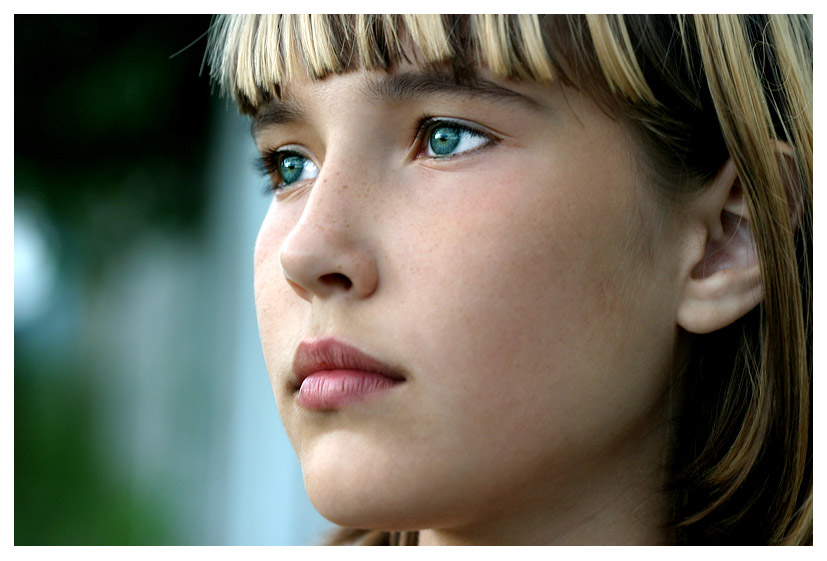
(538, 278)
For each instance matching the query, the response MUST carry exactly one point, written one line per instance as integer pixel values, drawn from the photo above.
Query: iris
(291, 168)
(448, 138)
(444, 140)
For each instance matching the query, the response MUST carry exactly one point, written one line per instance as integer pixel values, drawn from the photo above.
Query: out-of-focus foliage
(64, 493)
(110, 143)
(110, 132)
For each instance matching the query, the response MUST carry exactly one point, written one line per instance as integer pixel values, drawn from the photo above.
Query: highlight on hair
(697, 90)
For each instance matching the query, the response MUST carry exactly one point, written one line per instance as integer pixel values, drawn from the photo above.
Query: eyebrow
(276, 112)
(414, 85)
(405, 86)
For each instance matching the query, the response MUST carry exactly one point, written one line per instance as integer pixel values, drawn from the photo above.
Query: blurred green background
(143, 414)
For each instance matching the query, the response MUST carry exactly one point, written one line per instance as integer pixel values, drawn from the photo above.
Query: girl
(537, 279)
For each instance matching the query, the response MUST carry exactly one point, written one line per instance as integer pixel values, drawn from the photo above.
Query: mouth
(328, 374)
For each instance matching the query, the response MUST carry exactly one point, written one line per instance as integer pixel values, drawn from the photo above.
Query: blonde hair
(697, 90)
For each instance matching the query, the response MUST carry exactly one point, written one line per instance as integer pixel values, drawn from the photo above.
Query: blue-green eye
(287, 167)
(447, 138)
(293, 168)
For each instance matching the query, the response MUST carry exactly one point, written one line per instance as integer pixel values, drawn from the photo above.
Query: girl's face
(491, 244)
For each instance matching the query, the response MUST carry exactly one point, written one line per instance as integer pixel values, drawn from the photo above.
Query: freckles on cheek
(534, 253)
(270, 287)
(277, 225)
(269, 238)
(265, 255)
(276, 303)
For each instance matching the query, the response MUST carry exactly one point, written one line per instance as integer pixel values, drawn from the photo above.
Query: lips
(328, 374)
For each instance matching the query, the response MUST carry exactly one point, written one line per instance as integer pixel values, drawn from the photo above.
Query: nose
(327, 254)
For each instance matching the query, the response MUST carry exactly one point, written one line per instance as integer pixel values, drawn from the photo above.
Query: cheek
(530, 301)
(267, 269)
(266, 258)
(277, 305)
(537, 259)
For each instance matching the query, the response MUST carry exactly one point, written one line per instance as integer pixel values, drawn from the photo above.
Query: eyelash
(269, 163)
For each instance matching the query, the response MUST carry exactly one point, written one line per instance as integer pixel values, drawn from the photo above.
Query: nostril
(336, 279)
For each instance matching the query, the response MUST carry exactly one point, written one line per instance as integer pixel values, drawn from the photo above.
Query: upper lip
(331, 354)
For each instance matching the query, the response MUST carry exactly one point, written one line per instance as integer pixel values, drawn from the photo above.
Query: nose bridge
(337, 198)
(328, 251)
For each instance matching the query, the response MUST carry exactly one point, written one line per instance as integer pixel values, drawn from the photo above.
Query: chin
(370, 492)
(366, 506)
(357, 500)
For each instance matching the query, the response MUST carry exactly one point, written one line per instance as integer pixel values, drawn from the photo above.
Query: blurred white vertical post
(258, 497)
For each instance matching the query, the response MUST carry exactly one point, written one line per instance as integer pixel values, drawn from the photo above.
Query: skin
(519, 285)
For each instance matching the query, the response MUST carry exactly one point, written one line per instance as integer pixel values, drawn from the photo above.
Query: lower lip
(330, 389)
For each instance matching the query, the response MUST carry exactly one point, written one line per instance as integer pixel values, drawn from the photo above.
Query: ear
(721, 272)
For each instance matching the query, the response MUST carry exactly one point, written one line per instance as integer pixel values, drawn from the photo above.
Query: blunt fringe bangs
(697, 90)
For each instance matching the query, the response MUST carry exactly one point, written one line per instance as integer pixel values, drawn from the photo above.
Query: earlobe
(722, 274)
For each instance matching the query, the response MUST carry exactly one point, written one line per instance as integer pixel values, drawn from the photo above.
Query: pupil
(444, 140)
(291, 168)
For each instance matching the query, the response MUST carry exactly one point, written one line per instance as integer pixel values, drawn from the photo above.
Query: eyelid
(291, 148)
